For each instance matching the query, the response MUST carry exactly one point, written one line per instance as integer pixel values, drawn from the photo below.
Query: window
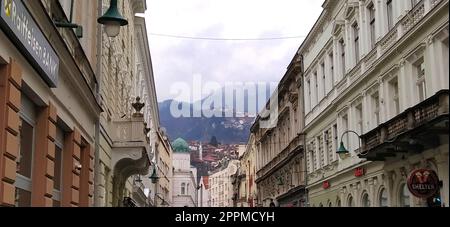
(376, 108)
(404, 196)
(420, 80)
(383, 198)
(350, 202)
(338, 203)
(345, 128)
(336, 139)
(342, 49)
(359, 118)
(390, 15)
(331, 58)
(321, 151)
(324, 90)
(57, 177)
(329, 145)
(371, 9)
(365, 200)
(309, 94)
(316, 93)
(183, 188)
(356, 36)
(395, 99)
(26, 151)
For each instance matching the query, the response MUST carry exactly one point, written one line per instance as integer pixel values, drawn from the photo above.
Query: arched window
(330, 204)
(383, 198)
(350, 202)
(187, 189)
(404, 196)
(338, 203)
(365, 200)
(183, 188)
(320, 205)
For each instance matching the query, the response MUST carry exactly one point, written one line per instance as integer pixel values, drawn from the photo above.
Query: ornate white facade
(368, 63)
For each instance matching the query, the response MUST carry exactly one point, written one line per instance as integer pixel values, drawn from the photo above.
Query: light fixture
(154, 177)
(342, 151)
(112, 20)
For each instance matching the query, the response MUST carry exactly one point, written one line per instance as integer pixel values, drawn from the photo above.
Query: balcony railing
(424, 118)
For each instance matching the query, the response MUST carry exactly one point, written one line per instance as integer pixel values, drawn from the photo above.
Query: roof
(180, 146)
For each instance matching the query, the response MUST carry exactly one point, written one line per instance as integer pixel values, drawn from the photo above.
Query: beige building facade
(280, 161)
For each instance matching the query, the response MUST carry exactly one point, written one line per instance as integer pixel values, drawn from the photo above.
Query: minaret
(200, 152)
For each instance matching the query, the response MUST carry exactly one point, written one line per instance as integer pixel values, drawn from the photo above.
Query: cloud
(177, 60)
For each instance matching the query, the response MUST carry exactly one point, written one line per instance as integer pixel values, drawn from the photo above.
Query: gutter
(98, 97)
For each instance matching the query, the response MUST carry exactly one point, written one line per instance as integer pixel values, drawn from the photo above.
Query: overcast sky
(178, 60)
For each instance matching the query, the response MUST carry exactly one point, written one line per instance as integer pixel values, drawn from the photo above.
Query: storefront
(48, 111)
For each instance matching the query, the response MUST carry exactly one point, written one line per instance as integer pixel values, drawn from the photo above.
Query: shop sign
(423, 183)
(359, 172)
(326, 185)
(24, 32)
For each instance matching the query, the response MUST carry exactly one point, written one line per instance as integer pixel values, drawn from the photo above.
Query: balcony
(131, 153)
(413, 131)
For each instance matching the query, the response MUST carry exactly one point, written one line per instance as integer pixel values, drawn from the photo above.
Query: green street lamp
(112, 20)
(154, 177)
(342, 150)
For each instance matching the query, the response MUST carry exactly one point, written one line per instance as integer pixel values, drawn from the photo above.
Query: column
(405, 85)
(336, 61)
(349, 53)
(10, 84)
(71, 170)
(43, 165)
(87, 175)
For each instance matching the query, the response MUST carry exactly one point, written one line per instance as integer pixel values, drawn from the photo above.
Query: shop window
(57, 177)
(404, 196)
(350, 202)
(365, 200)
(26, 151)
(383, 198)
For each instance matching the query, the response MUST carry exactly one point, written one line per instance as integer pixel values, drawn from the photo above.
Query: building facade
(280, 162)
(48, 107)
(204, 198)
(376, 69)
(184, 193)
(87, 101)
(246, 185)
(221, 187)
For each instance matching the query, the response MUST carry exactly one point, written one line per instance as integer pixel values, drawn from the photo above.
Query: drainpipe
(97, 170)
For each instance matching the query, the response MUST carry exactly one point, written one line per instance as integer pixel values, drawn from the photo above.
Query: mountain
(232, 122)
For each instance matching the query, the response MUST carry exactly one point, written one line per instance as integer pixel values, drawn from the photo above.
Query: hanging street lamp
(112, 20)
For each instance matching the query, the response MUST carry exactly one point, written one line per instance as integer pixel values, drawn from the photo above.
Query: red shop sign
(423, 183)
(326, 185)
(359, 172)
